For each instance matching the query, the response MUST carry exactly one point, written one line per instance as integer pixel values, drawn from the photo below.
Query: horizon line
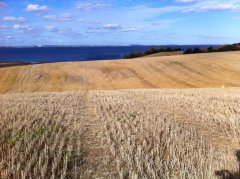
(39, 46)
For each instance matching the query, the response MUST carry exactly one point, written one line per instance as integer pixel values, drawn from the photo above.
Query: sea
(48, 54)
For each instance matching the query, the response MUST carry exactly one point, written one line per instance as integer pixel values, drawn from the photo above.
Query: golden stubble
(179, 71)
(141, 133)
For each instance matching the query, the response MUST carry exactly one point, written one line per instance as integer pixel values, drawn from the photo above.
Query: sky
(119, 22)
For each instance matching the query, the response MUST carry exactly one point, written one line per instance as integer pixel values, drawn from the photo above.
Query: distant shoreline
(64, 54)
(90, 46)
(161, 54)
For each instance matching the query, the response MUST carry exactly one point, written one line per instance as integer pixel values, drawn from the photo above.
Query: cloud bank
(36, 8)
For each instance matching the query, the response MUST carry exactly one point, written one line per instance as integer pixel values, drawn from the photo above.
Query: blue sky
(115, 22)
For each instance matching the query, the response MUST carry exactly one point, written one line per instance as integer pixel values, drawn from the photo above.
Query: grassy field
(179, 71)
(192, 133)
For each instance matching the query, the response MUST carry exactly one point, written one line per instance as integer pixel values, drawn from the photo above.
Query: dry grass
(37, 140)
(171, 134)
(165, 54)
(120, 134)
(180, 71)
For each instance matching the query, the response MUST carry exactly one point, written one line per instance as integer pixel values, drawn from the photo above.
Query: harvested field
(192, 133)
(165, 54)
(179, 71)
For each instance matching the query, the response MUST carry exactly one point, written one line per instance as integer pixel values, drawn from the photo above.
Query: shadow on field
(5, 65)
(226, 174)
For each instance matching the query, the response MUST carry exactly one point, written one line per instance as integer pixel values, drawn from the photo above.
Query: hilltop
(178, 71)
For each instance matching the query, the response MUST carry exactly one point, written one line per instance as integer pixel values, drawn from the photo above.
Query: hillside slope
(180, 71)
(120, 134)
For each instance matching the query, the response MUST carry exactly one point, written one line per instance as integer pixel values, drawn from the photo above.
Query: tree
(210, 49)
(188, 51)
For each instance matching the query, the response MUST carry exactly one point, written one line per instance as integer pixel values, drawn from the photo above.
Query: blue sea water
(63, 54)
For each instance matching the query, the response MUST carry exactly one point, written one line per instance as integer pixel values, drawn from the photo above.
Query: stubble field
(155, 133)
(178, 71)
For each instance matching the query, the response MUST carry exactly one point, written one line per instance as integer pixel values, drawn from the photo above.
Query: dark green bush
(151, 51)
(224, 48)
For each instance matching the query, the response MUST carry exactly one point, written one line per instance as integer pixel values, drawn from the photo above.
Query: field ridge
(181, 71)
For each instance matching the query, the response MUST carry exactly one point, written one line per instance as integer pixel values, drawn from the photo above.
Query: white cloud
(164, 22)
(63, 17)
(91, 6)
(2, 4)
(36, 8)
(22, 27)
(67, 31)
(118, 27)
(216, 5)
(133, 29)
(13, 19)
(112, 26)
(187, 1)
(8, 37)
(51, 28)
(5, 38)
(3, 27)
(88, 22)
(221, 7)
(95, 31)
